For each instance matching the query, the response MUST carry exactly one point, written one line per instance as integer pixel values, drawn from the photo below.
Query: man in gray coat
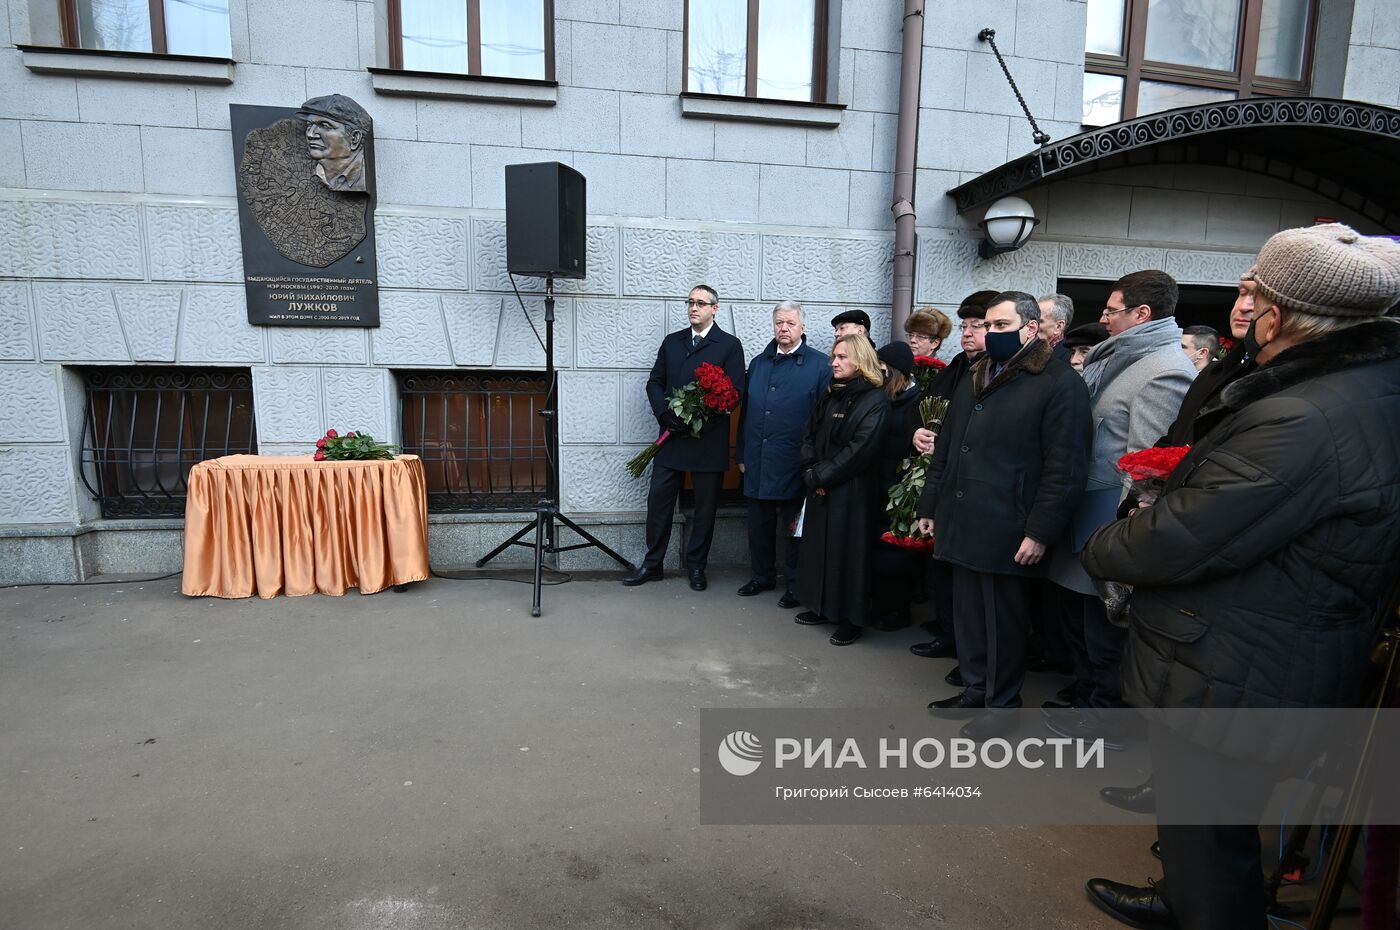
(1136, 379)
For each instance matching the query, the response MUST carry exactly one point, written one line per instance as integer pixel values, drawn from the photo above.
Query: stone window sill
(759, 110)
(45, 59)
(464, 87)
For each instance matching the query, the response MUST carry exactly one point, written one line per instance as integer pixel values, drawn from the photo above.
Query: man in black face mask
(1007, 472)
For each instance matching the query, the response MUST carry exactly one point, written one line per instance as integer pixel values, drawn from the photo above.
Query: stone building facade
(119, 237)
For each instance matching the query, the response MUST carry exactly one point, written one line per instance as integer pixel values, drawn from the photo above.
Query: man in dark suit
(705, 457)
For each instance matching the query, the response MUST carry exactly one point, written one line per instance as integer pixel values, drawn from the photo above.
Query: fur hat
(1329, 270)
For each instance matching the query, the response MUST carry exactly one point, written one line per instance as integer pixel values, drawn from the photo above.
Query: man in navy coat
(786, 380)
(705, 457)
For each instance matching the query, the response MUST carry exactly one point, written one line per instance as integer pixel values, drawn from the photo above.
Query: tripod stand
(547, 511)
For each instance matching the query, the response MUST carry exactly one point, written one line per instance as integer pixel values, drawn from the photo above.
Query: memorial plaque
(306, 203)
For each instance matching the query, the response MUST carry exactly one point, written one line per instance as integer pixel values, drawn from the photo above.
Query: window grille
(480, 437)
(145, 428)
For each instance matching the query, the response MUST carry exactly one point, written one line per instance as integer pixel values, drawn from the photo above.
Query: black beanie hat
(898, 355)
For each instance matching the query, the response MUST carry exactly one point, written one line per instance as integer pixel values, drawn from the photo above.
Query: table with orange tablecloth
(286, 524)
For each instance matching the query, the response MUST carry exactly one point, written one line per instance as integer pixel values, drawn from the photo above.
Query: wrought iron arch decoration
(1345, 150)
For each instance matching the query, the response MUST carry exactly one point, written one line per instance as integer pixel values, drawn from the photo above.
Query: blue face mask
(1001, 346)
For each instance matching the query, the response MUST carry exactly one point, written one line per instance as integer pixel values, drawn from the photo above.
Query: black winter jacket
(1011, 461)
(1258, 571)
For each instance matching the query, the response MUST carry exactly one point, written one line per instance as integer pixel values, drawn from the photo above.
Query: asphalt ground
(439, 759)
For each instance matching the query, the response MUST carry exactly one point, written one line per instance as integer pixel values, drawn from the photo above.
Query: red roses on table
(351, 446)
(710, 393)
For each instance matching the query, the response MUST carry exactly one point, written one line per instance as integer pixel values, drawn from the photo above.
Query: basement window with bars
(480, 436)
(145, 428)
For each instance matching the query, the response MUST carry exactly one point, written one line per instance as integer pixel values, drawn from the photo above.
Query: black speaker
(546, 217)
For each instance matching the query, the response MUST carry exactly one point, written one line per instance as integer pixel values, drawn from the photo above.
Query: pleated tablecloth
(286, 524)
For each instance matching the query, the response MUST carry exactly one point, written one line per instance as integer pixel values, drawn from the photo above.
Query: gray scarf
(1115, 355)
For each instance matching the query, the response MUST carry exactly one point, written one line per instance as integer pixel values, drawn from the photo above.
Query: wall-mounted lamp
(1007, 226)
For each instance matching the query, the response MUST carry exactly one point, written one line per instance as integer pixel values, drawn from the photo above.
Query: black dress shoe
(1067, 693)
(955, 678)
(846, 633)
(1156, 850)
(789, 601)
(642, 576)
(1140, 799)
(936, 648)
(697, 579)
(1056, 705)
(811, 618)
(1137, 907)
(956, 706)
(755, 587)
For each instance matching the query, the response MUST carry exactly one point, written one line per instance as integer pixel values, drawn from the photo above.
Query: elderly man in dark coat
(785, 382)
(1274, 606)
(1007, 472)
(705, 457)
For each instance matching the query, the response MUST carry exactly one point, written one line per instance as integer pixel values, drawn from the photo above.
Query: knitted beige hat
(1329, 270)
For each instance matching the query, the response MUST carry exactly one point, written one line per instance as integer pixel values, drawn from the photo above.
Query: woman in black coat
(840, 454)
(895, 569)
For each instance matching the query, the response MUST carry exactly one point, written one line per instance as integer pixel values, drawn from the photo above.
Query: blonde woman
(840, 468)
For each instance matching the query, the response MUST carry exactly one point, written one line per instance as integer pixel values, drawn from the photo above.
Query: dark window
(493, 38)
(771, 49)
(174, 27)
(1198, 305)
(480, 436)
(145, 428)
(1144, 56)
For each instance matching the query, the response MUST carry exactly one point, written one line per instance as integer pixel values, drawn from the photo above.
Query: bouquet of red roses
(351, 446)
(710, 393)
(925, 367)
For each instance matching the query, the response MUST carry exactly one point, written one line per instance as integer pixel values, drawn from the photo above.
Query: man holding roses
(704, 457)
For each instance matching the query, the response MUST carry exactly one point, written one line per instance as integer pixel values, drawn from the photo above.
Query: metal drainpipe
(906, 148)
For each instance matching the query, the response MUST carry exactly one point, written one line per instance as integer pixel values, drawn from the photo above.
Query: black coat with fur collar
(1011, 461)
(1259, 569)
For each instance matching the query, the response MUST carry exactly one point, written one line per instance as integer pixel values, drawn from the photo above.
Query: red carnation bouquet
(925, 367)
(710, 393)
(1226, 346)
(1149, 469)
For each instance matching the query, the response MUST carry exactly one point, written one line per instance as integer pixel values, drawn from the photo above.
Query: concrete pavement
(438, 759)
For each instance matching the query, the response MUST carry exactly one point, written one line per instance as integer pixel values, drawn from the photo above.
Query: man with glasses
(706, 457)
(1137, 379)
